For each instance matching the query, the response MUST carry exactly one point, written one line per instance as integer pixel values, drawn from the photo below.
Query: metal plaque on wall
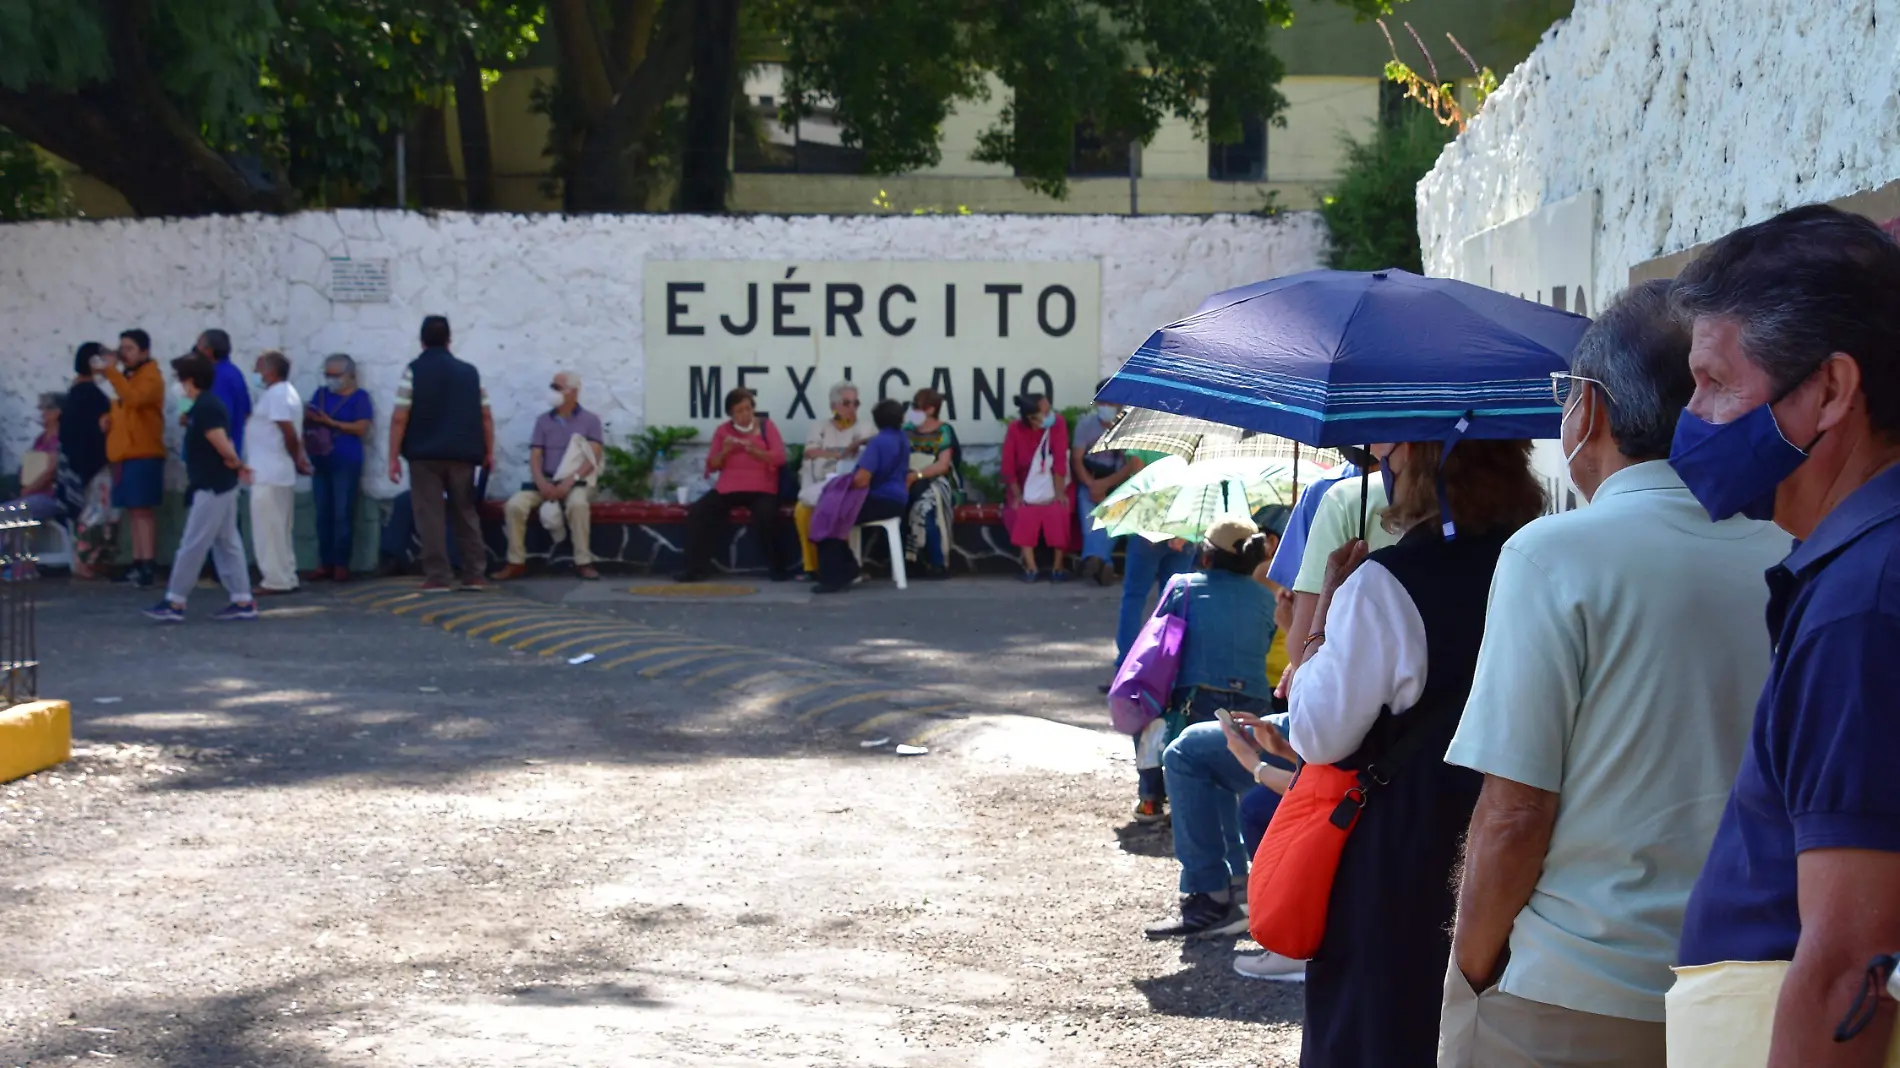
(359, 281)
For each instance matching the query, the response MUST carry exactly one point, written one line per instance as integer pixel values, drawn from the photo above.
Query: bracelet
(1316, 636)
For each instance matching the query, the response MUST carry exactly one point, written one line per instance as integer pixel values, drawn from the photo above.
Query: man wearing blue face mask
(1796, 415)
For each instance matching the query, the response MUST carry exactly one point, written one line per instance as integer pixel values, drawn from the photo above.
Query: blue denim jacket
(1229, 627)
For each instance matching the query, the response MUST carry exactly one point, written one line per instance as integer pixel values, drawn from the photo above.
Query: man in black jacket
(442, 426)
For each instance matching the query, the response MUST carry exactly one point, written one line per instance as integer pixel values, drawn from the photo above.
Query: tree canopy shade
(893, 69)
(191, 107)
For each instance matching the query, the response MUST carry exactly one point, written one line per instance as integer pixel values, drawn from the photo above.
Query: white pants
(272, 539)
(211, 528)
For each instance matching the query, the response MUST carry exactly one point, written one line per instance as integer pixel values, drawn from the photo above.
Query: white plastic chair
(894, 534)
(62, 553)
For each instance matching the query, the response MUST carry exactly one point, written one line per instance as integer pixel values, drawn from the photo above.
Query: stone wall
(1687, 118)
(529, 295)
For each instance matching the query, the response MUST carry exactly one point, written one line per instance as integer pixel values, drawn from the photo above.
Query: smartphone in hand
(1227, 720)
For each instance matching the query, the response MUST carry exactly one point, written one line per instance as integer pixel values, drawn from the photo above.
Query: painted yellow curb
(33, 737)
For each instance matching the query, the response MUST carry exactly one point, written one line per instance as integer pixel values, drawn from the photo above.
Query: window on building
(1392, 102)
(815, 145)
(1244, 160)
(1097, 153)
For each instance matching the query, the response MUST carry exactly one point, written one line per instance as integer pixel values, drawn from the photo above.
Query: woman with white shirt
(1390, 658)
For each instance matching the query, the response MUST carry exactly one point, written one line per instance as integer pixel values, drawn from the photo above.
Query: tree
(191, 107)
(893, 69)
(30, 188)
(1372, 213)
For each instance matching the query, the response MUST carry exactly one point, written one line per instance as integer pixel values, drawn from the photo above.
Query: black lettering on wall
(884, 382)
(799, 386)
(940, 381)
(675, 307)
(884, 310)
(704, 398)
(1003, 293)
(983, 390)
(836, 309)
(1578, 307)
(1048, 385)
(782, 309)
(748, 372)
(1560, 297)
(751, 313)
(1042, 310)
(949, 309)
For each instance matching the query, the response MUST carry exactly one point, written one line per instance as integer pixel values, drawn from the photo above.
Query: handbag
(319, 440)
(1290, 885)
(1039, 487)
(1145, 681)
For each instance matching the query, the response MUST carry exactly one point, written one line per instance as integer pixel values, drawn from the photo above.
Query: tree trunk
(434, 170)
(604, 175)
(705, 169)
(471, 119)
(111, 132)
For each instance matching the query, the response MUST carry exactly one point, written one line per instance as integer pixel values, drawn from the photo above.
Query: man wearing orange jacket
(135, 445)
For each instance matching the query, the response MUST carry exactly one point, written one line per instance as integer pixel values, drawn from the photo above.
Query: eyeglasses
(1563, 387)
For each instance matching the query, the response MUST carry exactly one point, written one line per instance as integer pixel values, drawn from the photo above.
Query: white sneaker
(1270, 966)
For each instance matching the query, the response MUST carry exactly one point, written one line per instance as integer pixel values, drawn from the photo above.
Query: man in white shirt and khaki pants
(274, 439)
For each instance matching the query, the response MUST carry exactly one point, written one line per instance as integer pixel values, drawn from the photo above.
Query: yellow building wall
(1321, 112)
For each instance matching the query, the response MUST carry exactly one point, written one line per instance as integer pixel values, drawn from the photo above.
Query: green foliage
(30, 187)
(628, 473)
(982, 487)
(1373, 212)
(342, 76)
(893, 70)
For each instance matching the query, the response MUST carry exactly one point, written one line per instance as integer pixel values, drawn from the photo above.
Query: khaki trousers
(273, 535)
(1499, 1030)
(580, 526)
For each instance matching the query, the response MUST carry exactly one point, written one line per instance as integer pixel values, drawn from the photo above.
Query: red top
(742, 472)
(1019, 450)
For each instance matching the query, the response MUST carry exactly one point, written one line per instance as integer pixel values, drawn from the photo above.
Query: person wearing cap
(1223, 665)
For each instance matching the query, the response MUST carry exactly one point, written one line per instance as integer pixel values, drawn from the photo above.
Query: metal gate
(19, 577)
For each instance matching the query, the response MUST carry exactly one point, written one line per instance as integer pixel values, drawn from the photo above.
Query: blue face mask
(1734, 467)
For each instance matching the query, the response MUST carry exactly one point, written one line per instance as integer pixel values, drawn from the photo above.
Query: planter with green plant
(628, 474)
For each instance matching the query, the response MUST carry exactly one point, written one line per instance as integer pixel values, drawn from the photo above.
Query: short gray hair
(839, 390)
(344, 358)
(1639, 349)
(52, 402)
(278, 363)
(568, 379)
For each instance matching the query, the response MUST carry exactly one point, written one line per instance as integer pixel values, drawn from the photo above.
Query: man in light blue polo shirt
(1622, 655)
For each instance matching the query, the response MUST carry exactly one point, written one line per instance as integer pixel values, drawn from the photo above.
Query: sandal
(1060, 577)
(1030, 576)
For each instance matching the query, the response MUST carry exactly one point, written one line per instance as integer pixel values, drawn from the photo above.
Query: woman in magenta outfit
(1040, 509)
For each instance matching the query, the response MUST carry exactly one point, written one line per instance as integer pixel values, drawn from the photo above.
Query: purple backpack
(1145, 682)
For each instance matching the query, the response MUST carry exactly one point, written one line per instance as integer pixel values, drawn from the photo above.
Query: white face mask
(1107, 412)
(556, 398)
(1582, 440)
(915, 417)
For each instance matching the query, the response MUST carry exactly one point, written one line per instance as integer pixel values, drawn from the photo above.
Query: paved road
(355, 834)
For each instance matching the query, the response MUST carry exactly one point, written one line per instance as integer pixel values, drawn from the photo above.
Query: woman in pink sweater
(747, 453)
(1039, 508)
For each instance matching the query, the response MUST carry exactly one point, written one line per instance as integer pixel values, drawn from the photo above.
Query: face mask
(1734, 467)
(333, 381)
(184, 406)
(257, 380)
(556, 398)
(1581, 441)
(915, 417)
(1106, 412)
(1385, 475)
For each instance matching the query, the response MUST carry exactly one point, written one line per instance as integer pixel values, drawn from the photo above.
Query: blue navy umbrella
(1345, 357)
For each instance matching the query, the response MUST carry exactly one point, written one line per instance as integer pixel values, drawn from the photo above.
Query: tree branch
(633, 30)
(129, 23)
(582, 66)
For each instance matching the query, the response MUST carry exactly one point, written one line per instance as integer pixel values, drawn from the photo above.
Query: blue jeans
(1095, 543)
(1145, 566)
(335, 485)
(1205, 787)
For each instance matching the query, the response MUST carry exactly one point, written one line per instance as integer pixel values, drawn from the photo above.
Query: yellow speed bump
(33, 737)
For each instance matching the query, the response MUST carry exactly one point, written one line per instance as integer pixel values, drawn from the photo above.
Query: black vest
(445, 410)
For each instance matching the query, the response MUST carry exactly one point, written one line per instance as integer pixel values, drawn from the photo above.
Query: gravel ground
(340, 838)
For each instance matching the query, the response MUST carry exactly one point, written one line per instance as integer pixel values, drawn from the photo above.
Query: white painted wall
(1688, 119)
(532, 294)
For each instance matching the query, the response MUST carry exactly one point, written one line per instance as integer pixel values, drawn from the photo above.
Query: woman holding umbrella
(1039, 509)
(1393, 648)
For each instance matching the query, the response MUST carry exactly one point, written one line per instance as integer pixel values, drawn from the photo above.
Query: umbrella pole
(1365, 490)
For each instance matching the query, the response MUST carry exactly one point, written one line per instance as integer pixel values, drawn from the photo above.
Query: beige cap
(1230, 533)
